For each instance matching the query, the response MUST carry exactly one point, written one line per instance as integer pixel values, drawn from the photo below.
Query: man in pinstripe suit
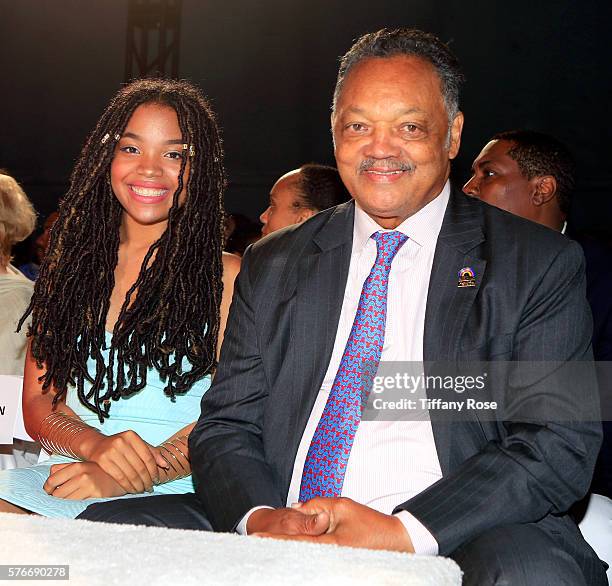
(492, 495)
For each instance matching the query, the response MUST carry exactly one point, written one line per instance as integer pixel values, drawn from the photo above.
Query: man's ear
(305, 213)
(455, 135)
(545, 188)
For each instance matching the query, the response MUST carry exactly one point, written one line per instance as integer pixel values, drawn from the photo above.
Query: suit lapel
(448, 305)
(323, 272)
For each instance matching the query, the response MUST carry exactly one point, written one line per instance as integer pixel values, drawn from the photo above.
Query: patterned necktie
(332, 441)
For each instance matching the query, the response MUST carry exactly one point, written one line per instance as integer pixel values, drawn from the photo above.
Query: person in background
(302, 193)
(17, 221)
(527, 173)
(531, 174)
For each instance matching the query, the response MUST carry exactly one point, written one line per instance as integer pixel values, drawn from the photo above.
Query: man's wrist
(403, 540)
(258, 520)
(423, 542)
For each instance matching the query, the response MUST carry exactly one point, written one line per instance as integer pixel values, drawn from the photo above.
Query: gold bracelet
(164, 447)
(51, 436)
(57, 432)
(167, 461)
(48, 428)
(171, 443)
(56, 436)
(183, 472)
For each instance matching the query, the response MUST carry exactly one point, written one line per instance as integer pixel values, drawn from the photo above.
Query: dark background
(269, 68)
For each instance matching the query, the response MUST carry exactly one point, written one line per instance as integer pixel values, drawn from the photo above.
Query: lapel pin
(467, 278)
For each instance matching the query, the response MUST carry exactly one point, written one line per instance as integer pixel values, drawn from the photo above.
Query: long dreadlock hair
(175, 313)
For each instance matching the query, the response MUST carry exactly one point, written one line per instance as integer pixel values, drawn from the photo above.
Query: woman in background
(17, 221)
(127, 312)
(302, 193)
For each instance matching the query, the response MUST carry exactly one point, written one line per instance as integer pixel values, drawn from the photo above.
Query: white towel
(104, 554)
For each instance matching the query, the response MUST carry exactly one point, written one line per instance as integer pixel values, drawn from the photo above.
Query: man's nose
(383, 144)
(264, 216)
(471, 187)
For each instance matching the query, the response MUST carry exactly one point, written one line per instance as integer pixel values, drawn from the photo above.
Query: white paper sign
(10, 405)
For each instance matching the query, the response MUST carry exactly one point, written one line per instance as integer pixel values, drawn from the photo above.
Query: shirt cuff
(241, 528)
(423, 541)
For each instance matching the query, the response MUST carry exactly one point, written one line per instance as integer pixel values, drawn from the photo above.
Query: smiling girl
(129, 308)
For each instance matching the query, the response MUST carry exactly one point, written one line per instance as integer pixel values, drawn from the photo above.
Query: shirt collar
(422, 227)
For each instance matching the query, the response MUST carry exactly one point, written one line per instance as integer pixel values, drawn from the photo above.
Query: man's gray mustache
(389, 164)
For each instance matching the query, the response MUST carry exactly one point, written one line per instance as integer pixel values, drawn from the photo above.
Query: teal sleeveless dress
(150, 413)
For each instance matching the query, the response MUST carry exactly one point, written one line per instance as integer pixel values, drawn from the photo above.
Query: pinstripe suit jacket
(528, 304)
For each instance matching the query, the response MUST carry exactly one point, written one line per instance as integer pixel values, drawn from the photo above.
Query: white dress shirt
(390, 461)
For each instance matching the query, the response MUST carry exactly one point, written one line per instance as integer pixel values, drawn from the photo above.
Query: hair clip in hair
(107, 136)
(190, 147)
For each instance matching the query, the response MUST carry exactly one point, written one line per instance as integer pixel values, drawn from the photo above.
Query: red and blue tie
(333, 439)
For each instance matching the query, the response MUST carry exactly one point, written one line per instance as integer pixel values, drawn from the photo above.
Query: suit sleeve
(226, 449)
(544, 459)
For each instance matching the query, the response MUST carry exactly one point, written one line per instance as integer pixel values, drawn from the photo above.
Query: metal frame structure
(153, 38)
